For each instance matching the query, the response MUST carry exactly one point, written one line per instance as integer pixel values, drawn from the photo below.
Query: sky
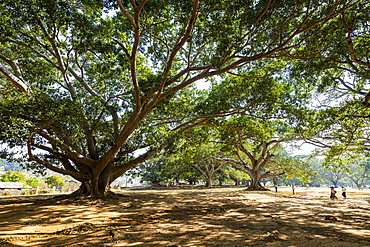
(305, 148)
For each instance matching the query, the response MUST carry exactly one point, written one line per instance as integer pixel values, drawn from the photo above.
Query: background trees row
(15, 172)
(169, 170)
(51, 181)
(165, 172)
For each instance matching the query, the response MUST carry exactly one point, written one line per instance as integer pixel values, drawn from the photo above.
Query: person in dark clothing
(344, 193)
(332, 193)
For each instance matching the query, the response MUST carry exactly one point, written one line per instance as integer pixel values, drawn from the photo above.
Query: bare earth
(190, 217)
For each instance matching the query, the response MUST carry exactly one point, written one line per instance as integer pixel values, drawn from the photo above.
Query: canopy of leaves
(84, 84)
(33, 182)
(11, 176)
(54, 180)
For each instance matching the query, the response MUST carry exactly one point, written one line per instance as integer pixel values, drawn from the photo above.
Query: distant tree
(190, 175)
(207, 168)
(327, 174)
(167, 167)
(235, 174)
(297, 168)
(33, 182)
(154, 171)
(258, 163)
(11, 176)
(54, 180)
(251, 145)
(254, 146)
(334, 177)
(359, 174)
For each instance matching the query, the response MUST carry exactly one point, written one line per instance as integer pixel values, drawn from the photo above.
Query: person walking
(332, 193)
(344, 192)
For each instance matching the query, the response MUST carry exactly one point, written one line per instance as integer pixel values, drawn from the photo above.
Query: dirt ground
(190, 217)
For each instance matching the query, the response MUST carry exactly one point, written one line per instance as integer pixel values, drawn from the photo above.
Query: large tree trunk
(220, 182)
(93, 189)
(209, 181)
(255, 182)
(191, 181)
(98, 186)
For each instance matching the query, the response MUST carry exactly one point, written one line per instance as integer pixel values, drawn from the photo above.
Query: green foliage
(33, 182)
(295, 167)
(154, 172)
(340, 80)
(359, 172)
(167, 168)
(352, 175)
(54, 180)
(11, 176)
(85, 84)
(235, 174)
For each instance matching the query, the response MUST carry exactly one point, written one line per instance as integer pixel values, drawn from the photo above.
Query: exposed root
(254, 188)
(77, 198)
(77, 229)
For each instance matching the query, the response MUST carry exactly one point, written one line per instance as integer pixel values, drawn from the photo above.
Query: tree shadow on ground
(189, 218)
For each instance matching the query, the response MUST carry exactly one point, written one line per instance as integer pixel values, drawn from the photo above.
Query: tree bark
(209, 181)
(97, 187)
(92, 189)
(255, 184)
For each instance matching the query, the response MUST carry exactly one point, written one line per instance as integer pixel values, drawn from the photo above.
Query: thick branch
(64, 159)
(119, 170)
(76, 175)
(270, 174)
(15, 77)
(178, 46)
(72, 153)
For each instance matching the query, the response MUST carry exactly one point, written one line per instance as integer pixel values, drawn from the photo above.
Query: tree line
(167, 170)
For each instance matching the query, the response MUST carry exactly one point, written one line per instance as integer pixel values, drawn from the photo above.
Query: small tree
(256, 145)
(54, 181)
(207, 169)
(196, 153)
(11, 176)
(33, 182)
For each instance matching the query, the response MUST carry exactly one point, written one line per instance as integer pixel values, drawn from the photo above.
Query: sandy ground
(190, 217)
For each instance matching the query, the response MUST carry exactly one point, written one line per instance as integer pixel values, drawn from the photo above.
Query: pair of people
(333, 192)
